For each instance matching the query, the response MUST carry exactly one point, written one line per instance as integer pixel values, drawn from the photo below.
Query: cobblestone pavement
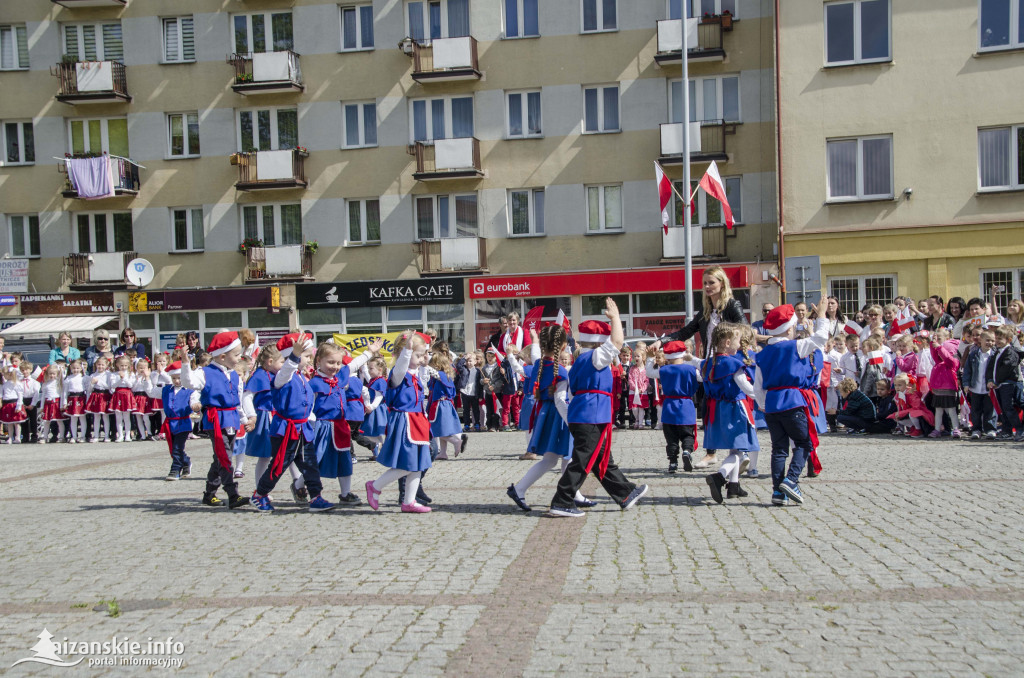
(906, 559)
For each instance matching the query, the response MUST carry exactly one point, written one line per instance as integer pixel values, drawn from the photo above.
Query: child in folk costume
(30, 428)
(332, 441)
(355, 411)
(445, 426)
(815, 406)
(219, 393)
(730, 422)
(98, 403)
(636, 382)
(243, 367)
(12, 413)
(122, 403)
(156, 387)
(590, 418)
(679, 380)
(782, 368)
(73, 396)
(49, 399)
(910, 410)
(177, 403)
(375, 425)
(748, 354)
(140, 395)
(291, 429)
(406, 450)
(523, 364)
(258, 405)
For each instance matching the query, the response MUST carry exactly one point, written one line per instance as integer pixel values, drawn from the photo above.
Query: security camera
(908, 192)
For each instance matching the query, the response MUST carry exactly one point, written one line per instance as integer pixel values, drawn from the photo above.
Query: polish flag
(532, 322)
(903, 321)
(664, 195)
(853, 328)
(563, 320)
(876, 358)
(713, 185)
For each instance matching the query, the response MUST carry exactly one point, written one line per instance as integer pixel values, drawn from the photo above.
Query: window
(1001, 157)
(357, 28)
(19, 143)
(104, 232)
(436, 218)
(524, 114)
(710, 99)
(1010, 283)
(187, 234)
(432, 19)
(363, 221)
(1001, 23)
(860, 169)
(601, 109)
(604, 208)
(855, 292)
(93, 42)
(599, 15)
(179, 40)
(444, 118)
(13, 48)
(273, 224)
(360, 121)
(709, 209)
(700, 8)
(182, 135)
(521, 19)
(857, 32)
(24, 235)
(526, 211)
(263, 32)
(269, 129)
(96, 135)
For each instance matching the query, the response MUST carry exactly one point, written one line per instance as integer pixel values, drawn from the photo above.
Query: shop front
(45, 316)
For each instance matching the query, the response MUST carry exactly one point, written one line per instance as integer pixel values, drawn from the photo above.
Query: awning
(47, 325)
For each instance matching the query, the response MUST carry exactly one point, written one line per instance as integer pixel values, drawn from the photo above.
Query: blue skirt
(446, 421)
(820, 422)
(397, 451)
(759, 423)
(259, 437)
(524, 412)
(240, 445)
(332, 462)
(376, 422)
(731, 430)
(550, 432)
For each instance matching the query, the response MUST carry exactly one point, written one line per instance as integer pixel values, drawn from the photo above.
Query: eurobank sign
(620, 281)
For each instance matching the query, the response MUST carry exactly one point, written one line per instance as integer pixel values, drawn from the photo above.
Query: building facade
(901, 146)
(281, 143)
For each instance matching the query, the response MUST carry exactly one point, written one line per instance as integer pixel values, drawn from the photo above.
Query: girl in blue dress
(406, 450)
(748, 353)
(730, 423)
(445, 425)
(375, 426)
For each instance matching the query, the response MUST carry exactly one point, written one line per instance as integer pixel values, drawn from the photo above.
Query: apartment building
(300, 154)
(902, 145)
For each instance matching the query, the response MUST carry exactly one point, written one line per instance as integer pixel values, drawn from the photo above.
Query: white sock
(15, 432)
(535, 472)
(297, 478)
(388, 477)
(442, 446)
(638, 415)
(143, 421)
(753, 458)
(262, 464)
(345, 485)
(412, 484)
(60, 430)
(73, 425)
(456, 441)
(730, 468)
(238, 462)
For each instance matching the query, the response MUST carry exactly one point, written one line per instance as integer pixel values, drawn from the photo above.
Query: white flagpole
(685, 117)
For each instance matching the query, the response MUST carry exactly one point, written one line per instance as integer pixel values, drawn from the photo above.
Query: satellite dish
(139, 272)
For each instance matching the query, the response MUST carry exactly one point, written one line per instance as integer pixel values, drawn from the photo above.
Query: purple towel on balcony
(92, 178)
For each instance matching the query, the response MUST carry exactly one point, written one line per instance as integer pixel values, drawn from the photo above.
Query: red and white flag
(853, 328)
(664, 195)
(876, 357)
(563, 320)
(903, 321)
(713, 185)
(532, 322)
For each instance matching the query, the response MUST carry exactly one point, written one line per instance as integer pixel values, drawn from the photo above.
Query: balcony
(73, 4)
(703, 40)
(451, 254)
(288, 262)
(708, 243)
(92, 82)
(266, 73)
(124, 172)
(447, 159)
(445, 60)
(707, 141)
(105, 270)
(270, 170)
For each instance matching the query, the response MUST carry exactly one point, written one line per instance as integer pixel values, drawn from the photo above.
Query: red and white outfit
(74, 394)
(140, 395)
(13, 410)
(98, 401)
(120, 386)
(50, 397)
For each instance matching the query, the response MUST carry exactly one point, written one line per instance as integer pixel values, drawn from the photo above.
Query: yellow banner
(357, 343)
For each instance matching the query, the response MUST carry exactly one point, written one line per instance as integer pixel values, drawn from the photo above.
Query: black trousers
(983, 417)
(624, 415)
(585, 437)
(678, 436)
(30, 427)
(305, 460)
(471, 410)
(218, 476)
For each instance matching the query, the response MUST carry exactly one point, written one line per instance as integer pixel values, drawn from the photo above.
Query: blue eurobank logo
(8, 301)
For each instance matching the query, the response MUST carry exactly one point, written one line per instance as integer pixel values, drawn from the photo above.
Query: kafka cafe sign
(380, 293)
(67, 304)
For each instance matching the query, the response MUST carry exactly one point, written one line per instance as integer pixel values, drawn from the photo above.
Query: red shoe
(371, 495)
(915, 433)
(415, 508)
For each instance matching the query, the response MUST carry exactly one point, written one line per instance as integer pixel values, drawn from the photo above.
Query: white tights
(939, 420)
(753, 458)
(13, 433)
(77, 424)
(143, 421)
(412, 483)
(730, 468)
(345, 485)
(909, 423)
(638, 414)
(100, 423)
(537, 471)
(60, 429)
(123, 424)
(455, 440)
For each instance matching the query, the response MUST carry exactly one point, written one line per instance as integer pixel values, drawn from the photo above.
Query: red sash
(219, 451)
(341, 434)
(165, 429)
(604, 443)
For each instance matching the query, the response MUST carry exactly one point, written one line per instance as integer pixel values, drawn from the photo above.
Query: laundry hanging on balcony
(92, 178)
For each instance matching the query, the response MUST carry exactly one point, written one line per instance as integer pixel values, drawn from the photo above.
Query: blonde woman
(64, 350)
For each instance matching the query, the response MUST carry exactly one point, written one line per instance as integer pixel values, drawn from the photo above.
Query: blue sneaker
(792, 490)
(778, 499)
(752, 473)
(320, 504)
(261, 504)
(566, 512)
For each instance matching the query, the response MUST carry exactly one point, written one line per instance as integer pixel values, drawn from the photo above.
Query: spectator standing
(64, 350)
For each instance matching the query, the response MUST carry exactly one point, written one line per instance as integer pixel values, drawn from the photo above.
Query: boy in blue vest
(179, 403)
(590, 418)
(678, 415)
(783, 369)
(219, 393)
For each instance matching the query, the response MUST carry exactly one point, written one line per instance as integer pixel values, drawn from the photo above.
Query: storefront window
(594, 305)
(447, 320)
(411, 316)
(142, 321)
(309, 317)
(664, 302)
(492, 309)
(262, 318)
(179, 321)
(219, 320)
(371, 315)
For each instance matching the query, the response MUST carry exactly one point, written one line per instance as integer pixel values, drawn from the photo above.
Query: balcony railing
(288, 262)
(707, 141)
(98, 269)
(92, 82)
(72, 4)
(447, 159)
(703, 40)
(452, 254)
(708, 242)
(267, 170)
(445, 60)
(125, 174)
(266, 73)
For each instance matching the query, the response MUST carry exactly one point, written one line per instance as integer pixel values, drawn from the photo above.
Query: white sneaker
(975, 435)
(991, 435)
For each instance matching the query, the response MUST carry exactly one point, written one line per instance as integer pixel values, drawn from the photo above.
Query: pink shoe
(415, 508)
(955, 433)
(371, 495)
(935, 433)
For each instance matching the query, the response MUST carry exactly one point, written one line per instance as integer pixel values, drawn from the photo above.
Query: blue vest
(177, 408)
(221, 391)
(545, 374)
(354, 399)
(293, 401)
(406, 397)
(441, 387)
(328, 405)
(718, 372)
(783, 368)
(678, 380)
(589, 408)
(260, 383)
(813, 378)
